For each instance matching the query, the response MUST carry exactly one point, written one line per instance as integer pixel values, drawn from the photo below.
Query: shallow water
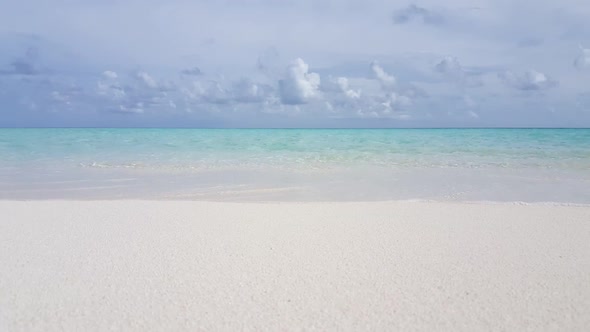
(531, 165)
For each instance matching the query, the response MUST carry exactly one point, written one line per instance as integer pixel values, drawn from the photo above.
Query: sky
(305, 63)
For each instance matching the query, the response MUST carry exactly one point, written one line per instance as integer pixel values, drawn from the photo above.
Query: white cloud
(414, 13)
(531, 80)
(242, 91)
(394, 102)
(59, 97)
(111, 90)
(340, 85)
(135, 109)
(484, 35)
(469, 102)
(110, 74)
(453, 70)
(246, 91)
(450, 66)
(472, 115)
(390, 101)
(146, 79)
(378, 97)
(194, 71)
(299, 86)
(137, 93)
(381, 75)
(583, 59)
(216, 93)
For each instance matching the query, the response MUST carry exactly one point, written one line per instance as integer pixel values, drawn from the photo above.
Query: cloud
(110, 74)
(24, 65)
(246, 91)
(381, 75)
(59, 97)
(216, 93)
(377, 97)
(395, 101)
(469, 102)
(583, 59)
(531, 80)
(146, 79)
(299, 86)
(133, 94)
(451, 68)
(415, 13)
(412, 77)
(195, 71)
(222, 92)
(340, 85)
(137, 108)
(110, 88)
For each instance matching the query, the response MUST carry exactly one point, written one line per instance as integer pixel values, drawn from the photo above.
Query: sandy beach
(186, 266)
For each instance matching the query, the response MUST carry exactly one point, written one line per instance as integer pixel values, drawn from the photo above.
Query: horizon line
(292, 128)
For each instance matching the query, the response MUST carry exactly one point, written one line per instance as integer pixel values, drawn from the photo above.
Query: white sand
(153, 266)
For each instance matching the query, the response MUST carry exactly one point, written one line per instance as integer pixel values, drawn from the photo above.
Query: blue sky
(321, 63)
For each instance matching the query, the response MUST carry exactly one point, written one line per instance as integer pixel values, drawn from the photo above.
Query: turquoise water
(189, 162)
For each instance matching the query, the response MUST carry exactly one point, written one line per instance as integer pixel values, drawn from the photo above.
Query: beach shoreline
(531, 165)
(195, 265)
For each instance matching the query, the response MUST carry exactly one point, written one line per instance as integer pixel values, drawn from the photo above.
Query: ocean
(500, 165)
